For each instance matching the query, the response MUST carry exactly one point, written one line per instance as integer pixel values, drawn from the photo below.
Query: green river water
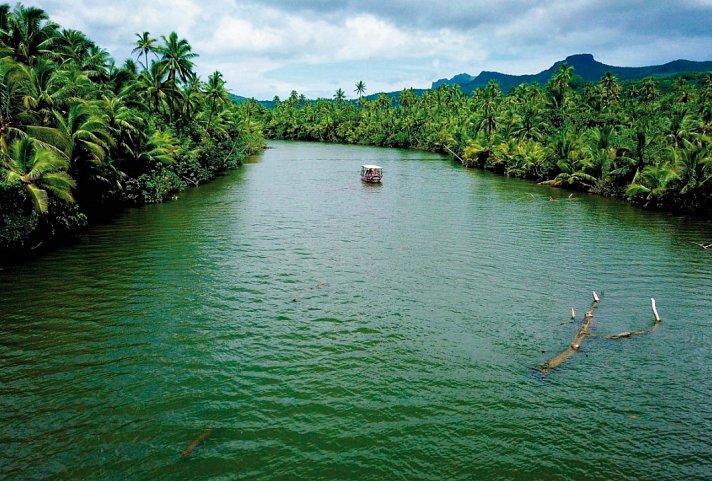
(324, 328)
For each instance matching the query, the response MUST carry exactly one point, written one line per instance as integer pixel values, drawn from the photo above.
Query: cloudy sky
(271, 47)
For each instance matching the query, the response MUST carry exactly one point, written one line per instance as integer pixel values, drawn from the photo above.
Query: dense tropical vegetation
(648, 141)
(80, 136)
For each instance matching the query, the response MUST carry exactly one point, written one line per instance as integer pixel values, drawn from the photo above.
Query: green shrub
(152, 187)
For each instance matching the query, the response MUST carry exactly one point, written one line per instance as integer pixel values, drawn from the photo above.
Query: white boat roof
(371, 166)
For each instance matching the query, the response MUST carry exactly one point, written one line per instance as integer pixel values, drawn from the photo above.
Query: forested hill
(585, 66)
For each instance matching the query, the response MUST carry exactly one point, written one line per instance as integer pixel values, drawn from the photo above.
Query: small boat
(371, 173)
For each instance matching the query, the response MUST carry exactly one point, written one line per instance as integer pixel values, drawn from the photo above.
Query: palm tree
(85, 134)
(192, 95)
(216, 93)
(75, 46)
(10, 103)
(29, 33)
(655, 182)
(690, 161)
(611, 88)
(144, 45)
(41, 171)
(40, 85)
(159, 148)
(81, 136)
(360, 88)
(530, 123)
(176, 57)
(340, 95)
(96, 63)
(488, 120)
(558, 87)
(125, 124)
(649, 90)
(154, 91)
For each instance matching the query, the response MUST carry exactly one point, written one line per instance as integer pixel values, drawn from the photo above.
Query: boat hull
(371, 180)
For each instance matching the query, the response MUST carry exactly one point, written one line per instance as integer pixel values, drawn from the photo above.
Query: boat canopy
(370, 166)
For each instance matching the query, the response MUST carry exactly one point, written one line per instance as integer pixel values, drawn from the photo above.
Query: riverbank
(648, 142)
(82, 137)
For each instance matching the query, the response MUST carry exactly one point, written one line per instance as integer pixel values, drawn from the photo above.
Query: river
(324, 328)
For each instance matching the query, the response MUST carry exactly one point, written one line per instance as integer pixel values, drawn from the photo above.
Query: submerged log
(196, 442)
(581, 335)
(584, 332)
(656, 323)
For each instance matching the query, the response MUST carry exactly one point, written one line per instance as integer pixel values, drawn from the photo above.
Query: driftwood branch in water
(584, 332)
(196, 442)
(453, 153)
(656, 323)
(655, 310)
(192, 181)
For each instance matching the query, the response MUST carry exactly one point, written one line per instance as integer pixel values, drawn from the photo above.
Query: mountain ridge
(585, 66)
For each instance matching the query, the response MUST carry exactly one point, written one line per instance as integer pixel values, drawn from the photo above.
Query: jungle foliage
(81, 136)
(648, 141)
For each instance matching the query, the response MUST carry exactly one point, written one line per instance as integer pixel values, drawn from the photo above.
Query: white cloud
(268, 47)
(365, 36)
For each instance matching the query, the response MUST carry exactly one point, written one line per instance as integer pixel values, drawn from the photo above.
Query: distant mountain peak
(580, 57)
(585, 66)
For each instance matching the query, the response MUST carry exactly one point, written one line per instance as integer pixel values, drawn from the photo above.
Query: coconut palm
(96, 63)
(159, 148)
(649, 90)
(144, 45)
(155, 92)
(176, 57)
(691, 161)
(192, 96)
(340, 95)
(81, 136)
(525, 157)
(74, 46)
(29, 33)
(85, 133)
(558, 88)
(654, 182)
(41, 171)
(41, 85)
(610, 87)
(125, 125)
(11, 94)
(360, 88)
(530, 121)
(489, 110)
(216, 93)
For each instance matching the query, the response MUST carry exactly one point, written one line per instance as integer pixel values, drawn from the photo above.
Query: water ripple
(327, 329)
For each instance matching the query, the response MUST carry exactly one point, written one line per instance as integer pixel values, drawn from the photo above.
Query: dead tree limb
(192, 181)
(196, 442)
(656, 323)
(581, 335)
(584, 332)
(453, 153)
